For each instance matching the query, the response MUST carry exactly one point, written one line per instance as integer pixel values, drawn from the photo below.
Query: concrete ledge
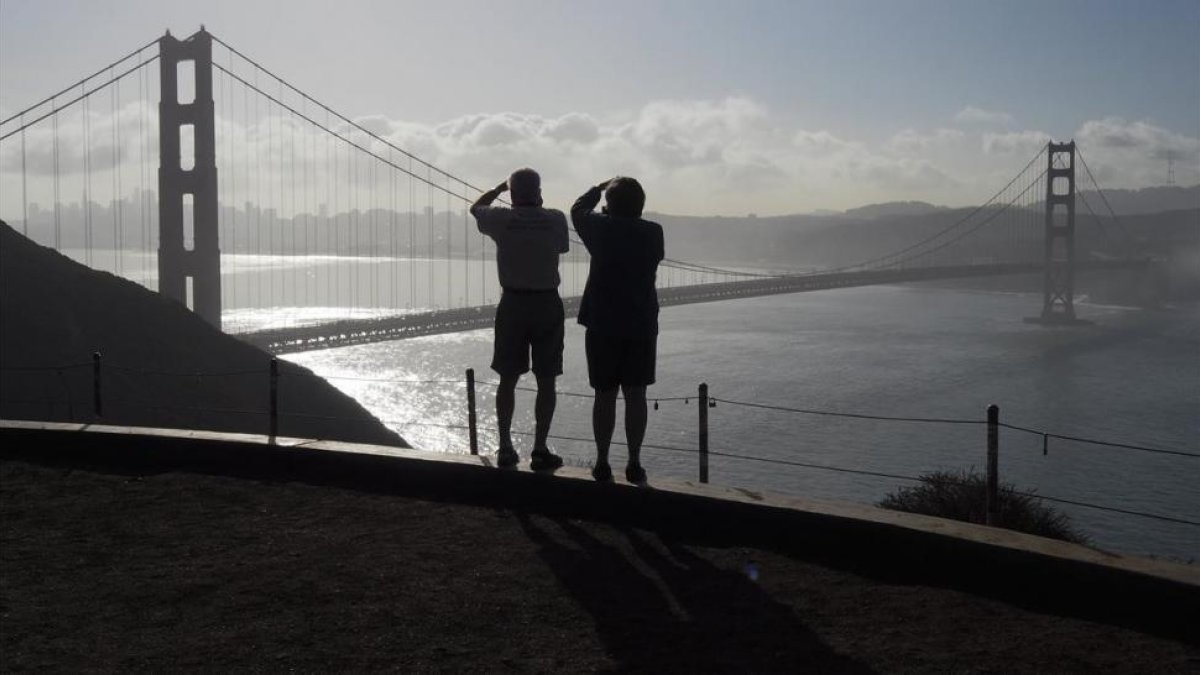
(1150, 595)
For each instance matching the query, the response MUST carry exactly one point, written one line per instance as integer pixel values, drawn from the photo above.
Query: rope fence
(701, 451)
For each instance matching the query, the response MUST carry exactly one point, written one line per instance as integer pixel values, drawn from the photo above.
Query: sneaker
(544, 460)
(634, 473)
(602, 472)
(507, 458)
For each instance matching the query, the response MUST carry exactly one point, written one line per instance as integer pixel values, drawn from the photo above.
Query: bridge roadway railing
(365, 331)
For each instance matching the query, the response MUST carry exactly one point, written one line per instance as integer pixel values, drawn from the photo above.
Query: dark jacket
(619, 298)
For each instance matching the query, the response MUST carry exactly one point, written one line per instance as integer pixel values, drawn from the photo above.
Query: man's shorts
(620, 361)
(528, 321)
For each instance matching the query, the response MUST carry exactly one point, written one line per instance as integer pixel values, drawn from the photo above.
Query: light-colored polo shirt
(529, 240)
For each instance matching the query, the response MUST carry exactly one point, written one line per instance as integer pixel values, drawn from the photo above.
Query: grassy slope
(54, 311)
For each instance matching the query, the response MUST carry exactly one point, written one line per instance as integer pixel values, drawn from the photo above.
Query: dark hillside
(54, 311)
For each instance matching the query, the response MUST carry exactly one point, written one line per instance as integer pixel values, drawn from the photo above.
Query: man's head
(624, 197)
(525, 185)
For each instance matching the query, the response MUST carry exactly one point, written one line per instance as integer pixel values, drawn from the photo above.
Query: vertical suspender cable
(350, 220)
(483, 282)
(143, 227)
(307, 194)
(235, 193)
(330, 208)
(373, 251)
(152, 222)
(118, 244)
(257, 267)
(272, 249)
(246, 181)
(354, 231)
(294, 216)
(24, 190)
(412, 245)
(337, 239)
(279, 250)
(466, 257)
(395, 261)
(87, 180)
(430, 250)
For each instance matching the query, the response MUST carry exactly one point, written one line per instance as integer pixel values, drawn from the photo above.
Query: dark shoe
(602, 472)
(507, 458)
(544, 460)
(634, 473)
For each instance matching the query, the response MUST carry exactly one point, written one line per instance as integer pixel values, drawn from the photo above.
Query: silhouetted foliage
(961, 495)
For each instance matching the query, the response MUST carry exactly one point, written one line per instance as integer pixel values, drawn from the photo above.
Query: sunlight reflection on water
(885, 350)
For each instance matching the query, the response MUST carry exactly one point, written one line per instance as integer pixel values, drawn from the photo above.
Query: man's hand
(488, 197)
(603, 185)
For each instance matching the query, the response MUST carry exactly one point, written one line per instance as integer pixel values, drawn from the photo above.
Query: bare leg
(505, 403)
(543, 410)
(635, 421)
(604, 418)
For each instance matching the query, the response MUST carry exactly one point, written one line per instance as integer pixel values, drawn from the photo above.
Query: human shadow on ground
(683, 614)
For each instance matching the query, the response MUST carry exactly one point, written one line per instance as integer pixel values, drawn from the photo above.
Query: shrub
(962, 496)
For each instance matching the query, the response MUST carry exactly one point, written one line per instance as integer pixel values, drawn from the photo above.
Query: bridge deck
(365, 331)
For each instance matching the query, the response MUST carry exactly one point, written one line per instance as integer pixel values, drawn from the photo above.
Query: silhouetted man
(530, 316)
(620, 310)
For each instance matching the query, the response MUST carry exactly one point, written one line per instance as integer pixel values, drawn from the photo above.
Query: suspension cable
(348, 141)
(1104, 198)
(93, 76)
(86, 93)
(938, 234)
(340, 116)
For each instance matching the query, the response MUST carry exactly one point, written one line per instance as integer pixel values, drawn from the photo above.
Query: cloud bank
(730, 155)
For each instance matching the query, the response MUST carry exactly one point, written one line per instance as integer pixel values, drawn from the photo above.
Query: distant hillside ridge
(1146, 200)
(162, 365)
(890, 209)
(806, 241)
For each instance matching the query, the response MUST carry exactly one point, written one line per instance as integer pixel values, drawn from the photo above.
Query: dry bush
(961, 495)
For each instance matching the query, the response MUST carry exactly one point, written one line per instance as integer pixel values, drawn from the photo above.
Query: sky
(718, 107)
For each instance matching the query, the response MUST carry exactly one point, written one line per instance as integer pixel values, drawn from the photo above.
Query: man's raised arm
(485, 200)
(581, 211)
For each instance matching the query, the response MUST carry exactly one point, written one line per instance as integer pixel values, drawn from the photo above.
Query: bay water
(916, 351)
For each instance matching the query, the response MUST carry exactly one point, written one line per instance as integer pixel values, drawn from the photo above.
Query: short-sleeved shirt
(529, 240)
(619, 298)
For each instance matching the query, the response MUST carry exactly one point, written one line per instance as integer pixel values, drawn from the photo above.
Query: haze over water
(900, 351)
(907, 351)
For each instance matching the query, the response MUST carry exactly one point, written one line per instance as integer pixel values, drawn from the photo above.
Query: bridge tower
(189, 268)
(1058, 296)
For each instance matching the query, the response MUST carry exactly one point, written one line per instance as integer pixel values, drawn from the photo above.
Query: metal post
(703, 432)
(474, 436)
(274, 398)
(992, 502)
(96, 402)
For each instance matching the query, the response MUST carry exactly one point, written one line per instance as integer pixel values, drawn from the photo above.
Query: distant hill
(1146, 200)
(54, 311)
(890, 209)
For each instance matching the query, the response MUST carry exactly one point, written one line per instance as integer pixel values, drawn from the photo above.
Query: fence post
(274, 413)
(992, 501)
(97, 403)
(472, 434)
(703, 432)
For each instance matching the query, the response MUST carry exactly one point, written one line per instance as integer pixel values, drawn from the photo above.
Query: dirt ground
(175, 571)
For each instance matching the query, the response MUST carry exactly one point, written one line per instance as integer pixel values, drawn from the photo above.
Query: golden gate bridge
(211, 196)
